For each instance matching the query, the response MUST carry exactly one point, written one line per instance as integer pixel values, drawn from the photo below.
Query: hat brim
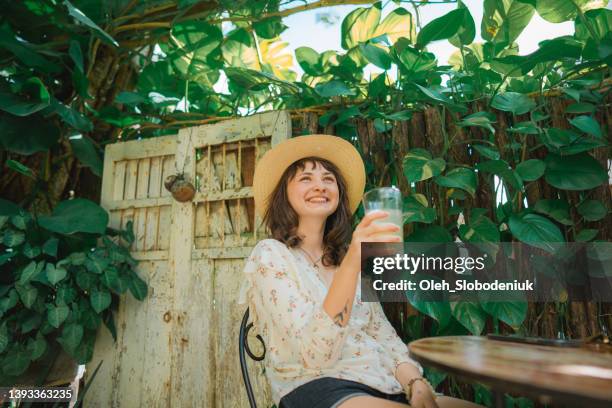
(275, 161)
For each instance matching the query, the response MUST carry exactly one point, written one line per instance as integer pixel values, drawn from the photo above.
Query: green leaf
(512, 313)
(28, 294)
(359, 26)
(535, 230)
(556, 209)
(28, 97)
(558, 11)
(587, 124)
(72, 334)
(441, 28)
(470, 315)
(17, 364)
(489, 152)
(576, 172)
(55, 274)
(37, 347)
(440, 97)
(418, 165)
(462, 178)
(420, 300)
(9, 301)
(479, 119)
(29, 272)
(580, 107)
(50, 247)
(586, 235)
(411, 60)
(100, 300)
(31, 251)
(600, 21)
(86, 152)
(57, 314)
(31, 323)
(76, 54)
(20, 168)
(334, 88)
(592, 210)
(467, 31)
(83, 19)
(398, 24)
(4, 337)
(309, 60)
(29, 135)
(270, 27)
(8, 208)
(196, 51)
(137, 286)
(72, 117)
(513, 102)
(376, 55)
(416, 209)
(504, 21)
(13, 238)
(433, 233)
(25, 52)
(77, 215)
(531, 170)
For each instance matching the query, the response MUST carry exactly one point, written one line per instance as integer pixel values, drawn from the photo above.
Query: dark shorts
(329, 392)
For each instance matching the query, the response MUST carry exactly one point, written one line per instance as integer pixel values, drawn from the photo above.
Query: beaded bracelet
(408, 387)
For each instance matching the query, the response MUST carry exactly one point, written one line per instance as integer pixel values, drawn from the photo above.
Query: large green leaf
(592, 210)
(419, 165)
(25, 97)
(576, 172)
(587, 124)
(398, 24)
(535, 230)
(86, 152)
(467, 30)
(137, 286)
(470, 315)
(77, 215)
(99, 300)
(411, 60)
(309, 60)
(79, 16)
(377, 55)
(504, 21)
(558, 11)
(416, 209)
(27, 135)
(334, 88)
(72, 335)
(25, 52)
(196, 51)
(17, 363)
(502, 169)
(359, 25)
(462, 178)
(513, 102)
(55, 274)
(27, 294)
(556, 209)
(442, 28)
(270, 27)
(479, 119)
(72, 117)
(438, 310)
(600, 21)
(57, 314)
(531, 170)
(512, 313)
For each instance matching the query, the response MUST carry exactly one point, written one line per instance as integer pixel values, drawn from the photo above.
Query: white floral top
(285, 296)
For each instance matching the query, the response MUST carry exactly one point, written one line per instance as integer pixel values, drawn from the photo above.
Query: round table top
(571, 374)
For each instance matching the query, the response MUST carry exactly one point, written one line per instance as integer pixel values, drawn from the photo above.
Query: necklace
(314, 263)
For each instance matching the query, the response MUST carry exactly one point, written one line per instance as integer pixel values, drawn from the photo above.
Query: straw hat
(275, 161)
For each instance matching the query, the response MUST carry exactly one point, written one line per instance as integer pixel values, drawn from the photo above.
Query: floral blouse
(285, 296)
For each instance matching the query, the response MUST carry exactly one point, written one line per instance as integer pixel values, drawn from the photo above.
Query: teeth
(318, 200)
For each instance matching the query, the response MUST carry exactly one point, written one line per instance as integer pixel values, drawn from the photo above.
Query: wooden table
(574, 376)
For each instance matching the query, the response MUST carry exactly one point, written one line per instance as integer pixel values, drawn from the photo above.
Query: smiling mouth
(320, 200)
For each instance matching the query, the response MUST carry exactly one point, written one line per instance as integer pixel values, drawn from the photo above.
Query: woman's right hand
(369, 231)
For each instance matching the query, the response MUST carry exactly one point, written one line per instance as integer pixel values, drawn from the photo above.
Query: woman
(325, 347)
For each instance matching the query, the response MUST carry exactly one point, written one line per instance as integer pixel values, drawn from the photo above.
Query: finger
(373, 215)
(383, 238)
(379, 228)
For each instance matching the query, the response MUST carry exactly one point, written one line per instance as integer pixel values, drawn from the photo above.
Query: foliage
(58, 59)
(58, 285)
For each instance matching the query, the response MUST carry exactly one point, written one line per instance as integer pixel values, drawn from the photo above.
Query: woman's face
(313, 191)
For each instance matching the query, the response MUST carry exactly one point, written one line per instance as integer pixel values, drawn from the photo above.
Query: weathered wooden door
(179, 347)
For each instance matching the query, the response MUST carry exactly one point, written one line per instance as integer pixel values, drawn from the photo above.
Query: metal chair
(243, 344)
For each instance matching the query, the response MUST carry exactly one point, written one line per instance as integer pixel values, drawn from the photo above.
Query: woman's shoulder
(270, 244)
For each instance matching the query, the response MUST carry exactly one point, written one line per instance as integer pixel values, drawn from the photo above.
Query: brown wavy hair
(282, 221)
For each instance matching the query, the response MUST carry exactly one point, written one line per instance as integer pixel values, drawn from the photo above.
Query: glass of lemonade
(387, 199)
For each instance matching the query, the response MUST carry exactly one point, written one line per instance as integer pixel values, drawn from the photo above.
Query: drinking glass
(387, 199)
